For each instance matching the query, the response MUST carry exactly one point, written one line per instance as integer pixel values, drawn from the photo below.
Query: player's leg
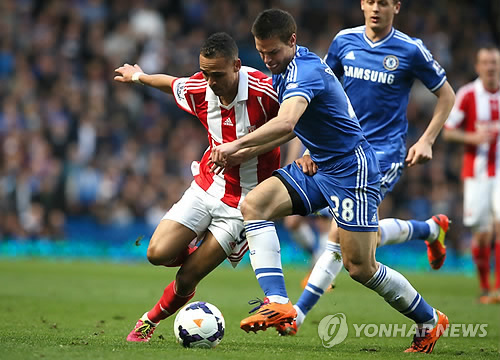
(168, 232)
(481, 252)
(301, 232)
(496, 212)
(354, 206)
(198, 265)
(477, 216)
(324, 272)
(323, 222)
(276, 197)
(358, 249)
(187, 219)
(269, 200)
(496, 294)
(169, 244)
(396, 231)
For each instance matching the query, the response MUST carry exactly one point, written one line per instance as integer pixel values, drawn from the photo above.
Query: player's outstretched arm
(277, 128)
(128, 73)
(421, 151)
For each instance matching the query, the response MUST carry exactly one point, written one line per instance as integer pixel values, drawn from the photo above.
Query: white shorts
(200, 212)
(481, 202)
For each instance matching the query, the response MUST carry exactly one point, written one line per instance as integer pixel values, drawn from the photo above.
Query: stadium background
(88, 166)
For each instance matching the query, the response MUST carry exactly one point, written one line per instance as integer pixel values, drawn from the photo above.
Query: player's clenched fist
(221, 152)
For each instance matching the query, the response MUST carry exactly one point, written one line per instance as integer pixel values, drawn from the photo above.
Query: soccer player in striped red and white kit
(475, 122)
(230, 101)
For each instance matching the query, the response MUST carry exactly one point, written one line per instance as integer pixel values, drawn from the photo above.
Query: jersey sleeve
(303, 82)
(457, 115)
(332, 58)
(181, 95)
(425, 68)
(271, 106)
(270, 101)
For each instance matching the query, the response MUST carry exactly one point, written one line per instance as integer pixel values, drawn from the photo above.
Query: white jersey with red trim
(477, 108)
(255, 104)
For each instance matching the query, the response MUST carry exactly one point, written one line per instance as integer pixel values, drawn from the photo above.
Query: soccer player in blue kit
(315, 107)
(379, 65)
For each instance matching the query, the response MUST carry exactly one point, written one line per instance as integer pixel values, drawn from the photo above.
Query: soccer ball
(199, 325)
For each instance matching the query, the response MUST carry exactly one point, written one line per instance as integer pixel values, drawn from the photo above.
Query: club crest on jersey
(391, 62)
(251, 128)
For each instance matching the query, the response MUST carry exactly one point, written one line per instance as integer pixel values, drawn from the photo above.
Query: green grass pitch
(84, 310)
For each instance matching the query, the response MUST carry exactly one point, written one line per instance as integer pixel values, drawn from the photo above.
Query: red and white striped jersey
(476, 108)
(255, 104)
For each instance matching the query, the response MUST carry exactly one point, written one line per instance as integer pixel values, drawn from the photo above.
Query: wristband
(135, 77)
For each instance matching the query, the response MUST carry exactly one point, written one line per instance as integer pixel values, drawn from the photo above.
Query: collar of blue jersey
(242, 89)
(291, 65)
(380, 42)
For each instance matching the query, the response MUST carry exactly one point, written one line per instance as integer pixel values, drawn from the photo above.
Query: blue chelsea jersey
(329, 127)
(378, 78)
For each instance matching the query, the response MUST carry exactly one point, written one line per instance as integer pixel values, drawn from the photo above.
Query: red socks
(481, 256)
(179, 260)
(168, 304)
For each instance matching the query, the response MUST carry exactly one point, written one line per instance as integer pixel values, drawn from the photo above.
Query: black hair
(274, 22)
(219, 45)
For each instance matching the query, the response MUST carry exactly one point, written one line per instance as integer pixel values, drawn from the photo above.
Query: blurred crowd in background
(75, 143)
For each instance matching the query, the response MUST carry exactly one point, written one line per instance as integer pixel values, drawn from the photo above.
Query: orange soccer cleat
(436, 250)
(287, 329)
(268, 314)
(424, 343)
(489, 298)
(495, 297)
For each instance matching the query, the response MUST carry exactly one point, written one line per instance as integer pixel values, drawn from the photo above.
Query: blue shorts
(391, 156)
(350, 187)
(391, 173)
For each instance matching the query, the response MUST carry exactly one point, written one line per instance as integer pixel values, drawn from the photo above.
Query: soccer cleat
(436, 250)
(143, 330)
(495, 297)
(485, 299)
(424, 343)
(488, 298)
(268, 314)
(287, 329)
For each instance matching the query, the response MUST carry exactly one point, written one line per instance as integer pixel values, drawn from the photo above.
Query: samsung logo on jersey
(368, 75)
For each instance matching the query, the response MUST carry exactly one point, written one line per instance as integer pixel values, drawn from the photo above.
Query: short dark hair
(219, 45)
(274, 22)
(487, 47)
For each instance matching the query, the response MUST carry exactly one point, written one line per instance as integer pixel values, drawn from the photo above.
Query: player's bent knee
(360, 272)
(250, 209)
(158, 257)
